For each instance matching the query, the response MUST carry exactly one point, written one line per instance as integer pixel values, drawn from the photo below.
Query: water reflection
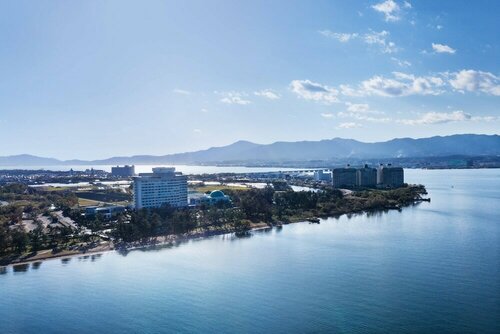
(65, 260)
(95, 257)
(36, 265)
(377, 213)
(243, 235)
(3, 270)
(21, 268)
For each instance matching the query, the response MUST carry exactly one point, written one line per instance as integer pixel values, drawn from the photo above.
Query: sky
(94, 79)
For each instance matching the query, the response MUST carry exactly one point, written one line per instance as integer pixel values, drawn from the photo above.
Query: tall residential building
(125, 171)
(390, 177)
(366, 177)
(163, 186)
(344, 177)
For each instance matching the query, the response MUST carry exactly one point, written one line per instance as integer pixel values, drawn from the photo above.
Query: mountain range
(244, 152)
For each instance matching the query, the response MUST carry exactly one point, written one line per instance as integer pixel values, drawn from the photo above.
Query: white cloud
(380, 39)
(341, 37)
(349, 91)
(401, 85)
(401, 63)
(438, 118)
(406, 4)
(349, 125)
(362, 112)
(358, 107)
(439, 27)
(267, 93)
(181, 91)
(442, 48)
(446, 117)
(204, 110)
(309, 90)
(234, 98)
(475, 81)
(374, 37)
(327, 115)
(364, 117)
(197, 131)
(390, 9)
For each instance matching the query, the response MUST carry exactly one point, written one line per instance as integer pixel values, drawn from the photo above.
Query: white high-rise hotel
(163, 186)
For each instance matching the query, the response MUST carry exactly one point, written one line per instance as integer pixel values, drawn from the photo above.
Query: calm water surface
(430, 268)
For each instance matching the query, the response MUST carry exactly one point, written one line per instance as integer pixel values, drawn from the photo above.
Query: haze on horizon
(91, 80)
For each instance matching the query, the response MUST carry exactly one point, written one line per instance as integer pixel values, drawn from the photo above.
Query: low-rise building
(163, 186)
(321, 175)
(123, 171)
(214, 197)
(104, 211)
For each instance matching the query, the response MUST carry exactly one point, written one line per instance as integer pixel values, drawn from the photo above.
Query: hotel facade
(163, 186)
(386, 176)
(390, 177)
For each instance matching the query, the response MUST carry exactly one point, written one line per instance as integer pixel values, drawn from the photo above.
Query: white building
(321, 175)
(163, 186)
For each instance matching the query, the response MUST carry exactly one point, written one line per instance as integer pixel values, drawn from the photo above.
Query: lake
(433, 267)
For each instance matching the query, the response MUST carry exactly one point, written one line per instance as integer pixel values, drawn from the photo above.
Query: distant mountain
(27, 160)
(243, 152)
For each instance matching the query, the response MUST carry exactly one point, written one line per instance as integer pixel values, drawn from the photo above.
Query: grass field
(209, 188)
(51, 188)
(87, 202)
(83, 202)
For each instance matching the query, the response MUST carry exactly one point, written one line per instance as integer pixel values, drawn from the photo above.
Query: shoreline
(109, 246)
(172, 239)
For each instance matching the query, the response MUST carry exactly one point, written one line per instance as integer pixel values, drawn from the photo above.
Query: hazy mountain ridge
(328, 149)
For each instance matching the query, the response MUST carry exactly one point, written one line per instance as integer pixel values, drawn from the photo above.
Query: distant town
(166, 186)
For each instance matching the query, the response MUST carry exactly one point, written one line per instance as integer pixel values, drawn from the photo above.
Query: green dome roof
(217, 194)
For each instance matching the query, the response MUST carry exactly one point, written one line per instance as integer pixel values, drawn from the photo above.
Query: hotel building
(163, 186)
(366, 177)
(344, 177)
(390, 177)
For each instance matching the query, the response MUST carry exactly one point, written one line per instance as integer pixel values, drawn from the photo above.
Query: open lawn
(210, 188)
(87, 202)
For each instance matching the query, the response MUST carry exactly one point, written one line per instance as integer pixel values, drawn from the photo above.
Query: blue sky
(94, 79)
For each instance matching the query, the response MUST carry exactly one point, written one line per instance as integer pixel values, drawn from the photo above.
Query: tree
(5, 238)
(242, 225)
(36, 237)
(19, 240)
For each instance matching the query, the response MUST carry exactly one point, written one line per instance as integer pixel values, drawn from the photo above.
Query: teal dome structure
(217, 194)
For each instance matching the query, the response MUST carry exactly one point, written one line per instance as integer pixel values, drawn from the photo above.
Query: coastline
(109, 246)
(172, 239)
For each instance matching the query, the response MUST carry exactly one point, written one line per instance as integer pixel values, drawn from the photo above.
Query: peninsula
(45, 221)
